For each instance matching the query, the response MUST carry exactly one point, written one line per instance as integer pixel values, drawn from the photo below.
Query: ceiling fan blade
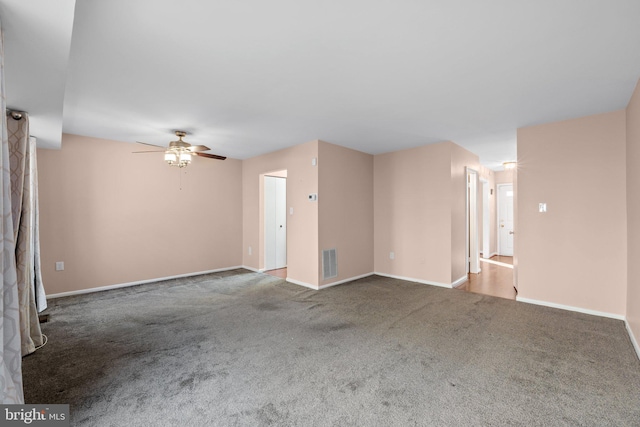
(210, 156)
(153, 145)
(195, 148)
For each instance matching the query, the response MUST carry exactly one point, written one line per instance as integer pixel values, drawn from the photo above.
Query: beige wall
(633, 213)
(302, 226)
(113, 217)
(345, 202)
(504, 177)
(419, 197)
(575, 254)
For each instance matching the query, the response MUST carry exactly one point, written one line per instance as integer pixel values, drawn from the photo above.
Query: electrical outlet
(392, 255)
(59, 265)
(250, 251)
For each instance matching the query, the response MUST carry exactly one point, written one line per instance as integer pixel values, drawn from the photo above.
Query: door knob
(511, 232)
(280, 226)
(501, 225)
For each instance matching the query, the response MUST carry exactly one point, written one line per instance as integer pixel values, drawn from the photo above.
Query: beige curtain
(11, 359)
(25, 229)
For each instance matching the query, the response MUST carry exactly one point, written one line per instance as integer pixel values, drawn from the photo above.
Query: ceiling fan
(179, 152)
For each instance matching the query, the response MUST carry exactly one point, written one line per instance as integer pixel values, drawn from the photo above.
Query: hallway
(494, 279)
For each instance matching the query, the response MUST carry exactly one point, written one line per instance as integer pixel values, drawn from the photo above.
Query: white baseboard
(328, 285)
(633, 338)
(350, 279)
(255, 270)
(139, 282)
(571, 308)
(305, 284)
(411, 279)
(460, 281)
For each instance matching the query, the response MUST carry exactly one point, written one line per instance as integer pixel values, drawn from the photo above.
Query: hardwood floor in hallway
(495, 280)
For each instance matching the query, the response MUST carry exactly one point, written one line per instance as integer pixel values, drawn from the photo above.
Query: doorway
(494, 274)
(275, 222)
(505, 219)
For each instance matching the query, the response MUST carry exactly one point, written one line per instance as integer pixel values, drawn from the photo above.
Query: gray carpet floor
(246, 349)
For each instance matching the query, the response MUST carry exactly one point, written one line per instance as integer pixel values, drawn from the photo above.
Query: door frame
(486, 219)
(472, 258)
(262, 244)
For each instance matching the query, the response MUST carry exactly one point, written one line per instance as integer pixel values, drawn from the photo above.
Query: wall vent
(329, 264)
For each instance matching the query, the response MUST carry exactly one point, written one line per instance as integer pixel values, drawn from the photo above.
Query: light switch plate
(542, 207)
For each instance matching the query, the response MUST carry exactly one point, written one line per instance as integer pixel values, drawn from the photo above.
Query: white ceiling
(253, 76)
(37, 39)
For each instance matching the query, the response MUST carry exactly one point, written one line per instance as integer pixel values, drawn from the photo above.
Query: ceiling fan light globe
(185, 157)
(170, 157)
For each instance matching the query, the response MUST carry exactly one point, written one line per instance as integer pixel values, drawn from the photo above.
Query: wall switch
(313, 197)
(314, 161)
(290, 211)
(250, 251)
(392, 255)
(59, 265)
(542, 207)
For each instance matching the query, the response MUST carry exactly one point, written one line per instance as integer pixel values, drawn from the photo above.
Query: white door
(275, 222)
(505, 219)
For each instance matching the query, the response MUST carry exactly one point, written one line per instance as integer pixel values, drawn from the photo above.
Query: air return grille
(329, 264)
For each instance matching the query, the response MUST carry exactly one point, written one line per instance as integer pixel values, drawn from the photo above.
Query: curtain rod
(16, 115)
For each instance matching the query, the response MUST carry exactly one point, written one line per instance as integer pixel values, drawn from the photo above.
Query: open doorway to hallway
(493, 218)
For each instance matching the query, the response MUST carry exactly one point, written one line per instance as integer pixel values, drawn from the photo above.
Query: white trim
(460, 281)
(328, 285)
(471, 215)
(490, 261)
(633, 338)
(571, 308)
(486, 217)
(139, 282)
(411, 279)
(350, 279)
(298, 282)
(255, 270)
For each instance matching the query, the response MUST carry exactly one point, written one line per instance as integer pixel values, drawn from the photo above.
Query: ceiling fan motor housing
(179, 143)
